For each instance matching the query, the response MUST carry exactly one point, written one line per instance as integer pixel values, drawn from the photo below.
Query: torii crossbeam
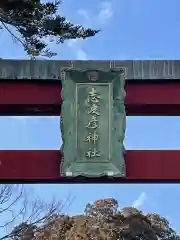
(34, 88)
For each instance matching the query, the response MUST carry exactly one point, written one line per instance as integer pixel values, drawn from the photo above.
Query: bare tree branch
(29, 215)
(13, 35)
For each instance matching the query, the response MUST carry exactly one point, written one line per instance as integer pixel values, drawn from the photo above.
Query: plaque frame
(70, 165)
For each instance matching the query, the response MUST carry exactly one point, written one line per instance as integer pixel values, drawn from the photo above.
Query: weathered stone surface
(93, 123)
(50, 69)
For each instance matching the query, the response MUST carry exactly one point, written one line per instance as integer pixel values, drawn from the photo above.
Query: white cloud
(75, 45)
(140, 200)
(85, 15)
(81, 55)
(106, 11)
(94, 21)
(72, 43)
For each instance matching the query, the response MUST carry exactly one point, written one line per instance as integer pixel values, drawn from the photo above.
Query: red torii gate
(156, 93)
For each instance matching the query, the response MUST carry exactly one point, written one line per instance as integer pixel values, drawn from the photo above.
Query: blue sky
(131, 29)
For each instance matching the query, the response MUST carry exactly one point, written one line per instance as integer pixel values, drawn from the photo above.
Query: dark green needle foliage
(36, 23)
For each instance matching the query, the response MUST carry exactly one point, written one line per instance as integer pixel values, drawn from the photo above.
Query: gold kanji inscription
(93, 123)
(91, 153)
(94, 110)
(92, 137)
(93, 96)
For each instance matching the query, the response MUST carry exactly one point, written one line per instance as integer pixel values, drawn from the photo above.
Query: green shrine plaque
(93, 123)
